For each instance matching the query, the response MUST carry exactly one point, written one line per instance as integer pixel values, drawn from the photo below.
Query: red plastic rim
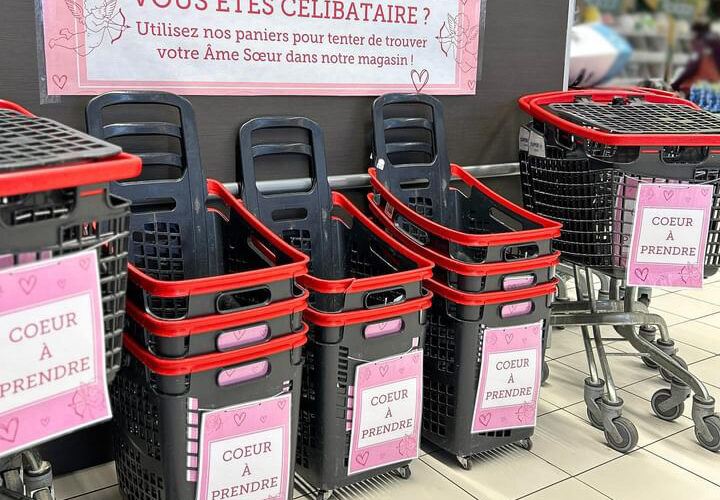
(549, 229)
(350, 285)
(368, 315)
(464, 268)
(481, 299)
(205, 362)
(212, 284)
(534, 106)
(215, 322)
(14, 107)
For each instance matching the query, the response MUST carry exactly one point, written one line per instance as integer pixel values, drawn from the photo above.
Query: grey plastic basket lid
(27, 142)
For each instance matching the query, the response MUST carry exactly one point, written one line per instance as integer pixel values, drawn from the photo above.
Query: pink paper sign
(509, 379)
(387, 412)
(669, 235)
(245, 451)
(268, 47)
(52, 350)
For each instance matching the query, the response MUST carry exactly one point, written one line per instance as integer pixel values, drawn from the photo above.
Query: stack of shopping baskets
(493, 281)
(583, 159)
(214, 336)
(360, 409)
(56, 219)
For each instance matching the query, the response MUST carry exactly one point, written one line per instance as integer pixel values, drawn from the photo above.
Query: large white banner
(246, 47)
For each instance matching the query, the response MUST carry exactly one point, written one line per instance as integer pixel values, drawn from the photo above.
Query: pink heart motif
(668, 194)
(60, 81)
(419, 79)
(401, 370)
(625, 238)
(384, 370)
(281, 404)
(524, 340)
(8, 432)
(27, 284)
(705, 192)
(263, 418)
(85, 263)
(239, 418)
(61, 284)
(509, 338)
(484, 419)
(45, 421)
(239, 334)
(362, 458)
(415, 358)
(471, 84)
(642, 274)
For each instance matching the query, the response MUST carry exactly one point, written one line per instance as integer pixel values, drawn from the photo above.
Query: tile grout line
(593, 488)
(81, 495)
(446, 477)
(684, 468)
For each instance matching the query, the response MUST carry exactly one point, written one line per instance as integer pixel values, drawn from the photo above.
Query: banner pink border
(499, 340)
(28, 286)
(66, 73)
(670, 196)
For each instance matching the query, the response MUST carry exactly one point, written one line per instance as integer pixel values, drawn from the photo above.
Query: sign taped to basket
(52, 350)
(509, 382)
(669, 236)
(262, 47)
(387, 408)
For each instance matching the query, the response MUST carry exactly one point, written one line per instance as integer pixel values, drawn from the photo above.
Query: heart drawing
(85, 263)
(60, 81)
(263, 418)
(239, 418)
(281, 404)
(45, 421)
(642, 274)
(668, 194)
(484, 419)
(509, 338)
(61, 283)
(384, 370)
(8, 432)
(419, 79)
(362, 458)
(27, 284)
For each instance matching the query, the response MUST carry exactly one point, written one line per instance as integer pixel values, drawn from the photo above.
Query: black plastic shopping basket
(158, 404)
(585, 152)
(54, 200)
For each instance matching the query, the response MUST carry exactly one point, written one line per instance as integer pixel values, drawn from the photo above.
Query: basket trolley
(54, 201)
(368, 302)
(186, 260)
(588, 152)
(457, 323)
(158, 403)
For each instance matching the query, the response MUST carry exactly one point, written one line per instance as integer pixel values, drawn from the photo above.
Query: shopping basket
(353, 264)
(158, 408)
(54, 201)
(368, 301)
(188, 257)
(590, 151)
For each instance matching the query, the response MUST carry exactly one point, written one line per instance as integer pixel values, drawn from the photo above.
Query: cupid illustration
(456, 36)
(99, 21)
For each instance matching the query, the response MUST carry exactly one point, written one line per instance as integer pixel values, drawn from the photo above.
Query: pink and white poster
(387, 400)
(245, 451)
(52, 350)
(669, 237)
(262, 47)
(509, 382)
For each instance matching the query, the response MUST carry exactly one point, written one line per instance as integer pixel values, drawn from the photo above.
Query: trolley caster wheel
(545, 373)
(628, 435)
(525, 444)
(649, 363)
(43, 494)
(660, 397)
(323, 495)
(594, 420)
(666, 375)
(404, 472)
(713, 424)
(12, 481)
(465, 463)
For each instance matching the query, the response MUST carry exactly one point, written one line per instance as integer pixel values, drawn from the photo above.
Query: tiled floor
(569, 459)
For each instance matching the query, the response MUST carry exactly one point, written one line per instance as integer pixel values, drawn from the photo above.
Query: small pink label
(670, 232)
(518, 282)
(245, 451)
(241, 337)
(230, 376)
(383, 328)
(387, 412)
(509, 382)
(52, 353)
(515, 310)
